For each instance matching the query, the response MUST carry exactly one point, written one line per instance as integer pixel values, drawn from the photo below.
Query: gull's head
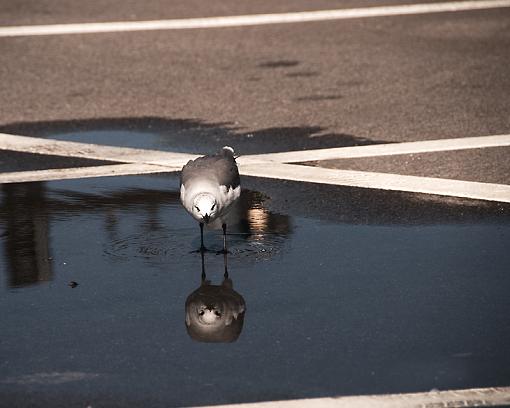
(205, 207)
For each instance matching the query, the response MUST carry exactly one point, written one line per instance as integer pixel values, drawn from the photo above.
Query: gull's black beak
(206, 218)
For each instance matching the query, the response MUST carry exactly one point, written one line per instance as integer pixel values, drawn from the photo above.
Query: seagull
(209, 187)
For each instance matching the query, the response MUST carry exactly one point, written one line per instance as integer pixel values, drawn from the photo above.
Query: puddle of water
(131, 224)
(330, 308)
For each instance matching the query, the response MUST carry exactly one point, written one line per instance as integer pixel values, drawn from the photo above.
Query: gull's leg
(202, 247)
(224, 250)
(224, 227)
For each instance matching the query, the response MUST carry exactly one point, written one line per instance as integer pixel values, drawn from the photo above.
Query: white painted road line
(257, 165)
(129, 155)
(384, 181)
(250, 20)
(458, 398)
(91, 151)
(426, 146)
(83, 172)
(381, 181)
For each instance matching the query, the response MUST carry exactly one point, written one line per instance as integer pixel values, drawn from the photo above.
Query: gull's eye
(213, 206)
(196, 208)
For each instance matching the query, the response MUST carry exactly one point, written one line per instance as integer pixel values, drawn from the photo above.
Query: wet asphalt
(347, 291)
(375, 79)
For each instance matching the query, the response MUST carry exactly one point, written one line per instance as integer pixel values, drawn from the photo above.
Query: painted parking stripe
(426, 146)
(91, 151)
(250, 20)
(83, 172)
(258, 168)
(384, 181)
(130, 155)
(381, 181)
(455, 398)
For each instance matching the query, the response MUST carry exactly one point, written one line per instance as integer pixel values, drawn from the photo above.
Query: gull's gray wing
(220, 168)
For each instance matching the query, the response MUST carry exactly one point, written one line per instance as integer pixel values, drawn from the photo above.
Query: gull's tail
(227, 151)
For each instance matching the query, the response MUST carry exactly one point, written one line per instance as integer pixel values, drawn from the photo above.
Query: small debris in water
(73, 284)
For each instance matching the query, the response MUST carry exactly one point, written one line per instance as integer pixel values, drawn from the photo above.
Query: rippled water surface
(98, 278)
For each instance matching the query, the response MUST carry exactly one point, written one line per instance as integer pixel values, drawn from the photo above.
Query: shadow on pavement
(188, 135)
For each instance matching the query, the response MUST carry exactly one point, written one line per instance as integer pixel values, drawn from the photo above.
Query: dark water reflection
(25, 230)
(161, 230)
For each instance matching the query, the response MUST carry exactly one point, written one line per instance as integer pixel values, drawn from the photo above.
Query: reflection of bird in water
(209, 187)
(215, 313)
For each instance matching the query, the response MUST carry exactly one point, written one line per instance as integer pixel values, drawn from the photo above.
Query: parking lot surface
(357, 278)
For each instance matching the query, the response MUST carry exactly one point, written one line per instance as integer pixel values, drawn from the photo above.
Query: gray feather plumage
(220, 168)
